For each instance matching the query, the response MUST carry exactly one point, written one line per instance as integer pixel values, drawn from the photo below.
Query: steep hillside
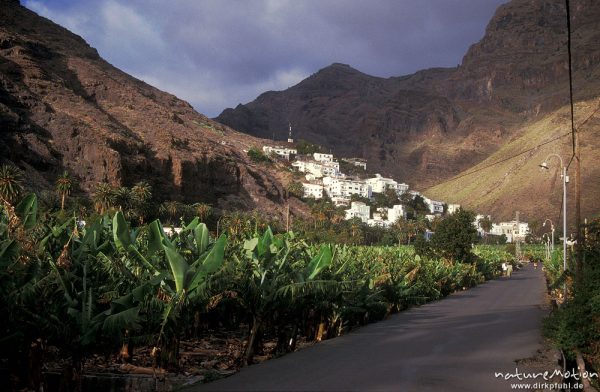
(511, 179)
(63, 107)
(427, 127)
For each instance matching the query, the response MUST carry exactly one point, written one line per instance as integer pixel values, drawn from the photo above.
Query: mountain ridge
(427, 127)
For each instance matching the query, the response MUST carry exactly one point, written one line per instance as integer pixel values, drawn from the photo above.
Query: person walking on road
(509, 269)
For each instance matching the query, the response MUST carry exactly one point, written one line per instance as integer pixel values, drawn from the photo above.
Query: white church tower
(290, 140)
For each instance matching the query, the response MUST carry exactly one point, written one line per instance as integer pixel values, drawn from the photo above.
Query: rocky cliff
(426, 127)
(63, 107)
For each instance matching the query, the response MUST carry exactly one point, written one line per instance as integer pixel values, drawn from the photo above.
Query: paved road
(455, 344)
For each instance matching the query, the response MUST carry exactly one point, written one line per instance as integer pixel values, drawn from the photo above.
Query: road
(455, 344)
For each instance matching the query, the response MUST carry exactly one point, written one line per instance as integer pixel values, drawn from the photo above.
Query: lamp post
(552, 228)
(565, 179)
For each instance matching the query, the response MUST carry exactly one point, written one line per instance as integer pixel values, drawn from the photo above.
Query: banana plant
(190, 259)
(274, 277)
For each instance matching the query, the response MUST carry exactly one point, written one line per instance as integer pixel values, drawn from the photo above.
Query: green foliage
(574, 325)
(90, 290)
(296, 189)
(11, 183)
(387, 199)
(455, 236)
(64, 185)
(306, 148)
(257, 156)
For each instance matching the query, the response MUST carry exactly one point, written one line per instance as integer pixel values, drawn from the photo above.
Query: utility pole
(577, 156)
(517, 240)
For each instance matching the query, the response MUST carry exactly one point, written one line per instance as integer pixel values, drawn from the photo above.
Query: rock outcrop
(63, 107)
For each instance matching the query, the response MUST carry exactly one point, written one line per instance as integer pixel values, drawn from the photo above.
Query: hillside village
(323, 178)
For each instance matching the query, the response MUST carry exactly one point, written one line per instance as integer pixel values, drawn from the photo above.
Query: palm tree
(11, 183)
(123, 198)
(64, 184)
(486, 225)
(170, 210)
(104, 197)
(203, 210)
(141, 193)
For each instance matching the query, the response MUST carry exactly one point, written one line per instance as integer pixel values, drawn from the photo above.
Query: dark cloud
(218, 53)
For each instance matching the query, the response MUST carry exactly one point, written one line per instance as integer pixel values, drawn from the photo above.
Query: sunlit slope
(511, 179)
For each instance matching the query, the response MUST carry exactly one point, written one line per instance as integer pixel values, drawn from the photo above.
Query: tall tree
(486, 225)
(141, 193)
(64, 185)
(104, 197)
(454, 237)
(11, 183)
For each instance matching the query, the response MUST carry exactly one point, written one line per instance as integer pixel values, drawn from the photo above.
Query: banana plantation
(128, 292)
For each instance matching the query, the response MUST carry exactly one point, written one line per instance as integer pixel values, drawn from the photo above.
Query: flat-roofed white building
(359, 210)
(319, 157)
(511, 230)
(452, 208)
(340, 201)
(402, 188)
(282, 152)
(343, 187)
(313, 190)
(435, 207)
(317, 169)
(380, 184)
(378, 221)
(358, 162)
(398, 211)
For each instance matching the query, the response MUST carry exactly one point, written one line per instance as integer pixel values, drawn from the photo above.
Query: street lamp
(565, 179)
(552, 228)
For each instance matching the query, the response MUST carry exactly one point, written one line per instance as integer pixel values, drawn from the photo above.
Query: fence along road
(454, 344)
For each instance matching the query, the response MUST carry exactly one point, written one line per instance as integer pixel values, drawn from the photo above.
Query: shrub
(257, 156)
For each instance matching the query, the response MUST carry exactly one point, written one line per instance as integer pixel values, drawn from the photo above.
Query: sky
(216, 54)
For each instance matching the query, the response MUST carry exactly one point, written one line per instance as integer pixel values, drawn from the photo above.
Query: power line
(510, 157)
(588, 118)
(570, 78)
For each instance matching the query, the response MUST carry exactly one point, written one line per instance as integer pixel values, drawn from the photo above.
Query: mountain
(430, 126)
(62, 107)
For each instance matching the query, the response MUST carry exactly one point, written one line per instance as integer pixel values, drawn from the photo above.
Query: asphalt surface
(455, 344)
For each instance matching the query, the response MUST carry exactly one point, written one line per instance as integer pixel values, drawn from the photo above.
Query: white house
(282, 152)
(435, 207)
(340, 201)
(511, 230)
(325, 158)
(380, 184)
(313, 190)
(356, 162)
(359, 210)
(398, 211)
(452, 208)
(378, 221)
(402, 188)
(343, 187)
(317, 169)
